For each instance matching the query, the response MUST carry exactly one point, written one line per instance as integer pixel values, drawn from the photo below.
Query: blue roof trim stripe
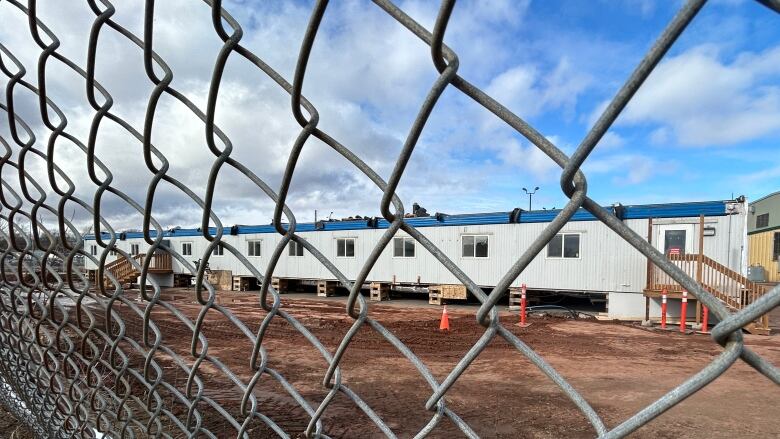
(671, 210)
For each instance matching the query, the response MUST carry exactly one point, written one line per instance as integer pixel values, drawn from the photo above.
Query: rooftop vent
(419, 211)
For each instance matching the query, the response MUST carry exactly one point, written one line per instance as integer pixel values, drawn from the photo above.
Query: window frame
(762, 216)
(251, 245)
(563, 247)
(219, 251)
(684, 249)
(295, 245)
(183, 243)
(345, 239)
(776, 246)
(403, 247)
(475, 236)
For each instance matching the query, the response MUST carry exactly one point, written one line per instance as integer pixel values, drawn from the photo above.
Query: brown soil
(10, 427)
(618, 368)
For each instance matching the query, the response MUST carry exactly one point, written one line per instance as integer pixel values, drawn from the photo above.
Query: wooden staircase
(125, 272)
(733, 289)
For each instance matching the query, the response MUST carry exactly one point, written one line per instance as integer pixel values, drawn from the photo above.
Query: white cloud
(526, 157)
(594, 115)
(646, 7)
(660, 136)
(768, 175)
(527, 91)
(704, 100)
(628, 168)
(367, 77)
(611, 140)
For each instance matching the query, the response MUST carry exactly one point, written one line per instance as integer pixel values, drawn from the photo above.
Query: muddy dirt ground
(618, 368)
(11, 428)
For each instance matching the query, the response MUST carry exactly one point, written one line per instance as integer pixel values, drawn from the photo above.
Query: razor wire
(73, 360)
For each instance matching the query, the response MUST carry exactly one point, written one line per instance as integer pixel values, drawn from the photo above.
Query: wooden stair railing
(733, 289)
(124, 271)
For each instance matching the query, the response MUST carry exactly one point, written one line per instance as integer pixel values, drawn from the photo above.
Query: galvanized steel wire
(67, 362)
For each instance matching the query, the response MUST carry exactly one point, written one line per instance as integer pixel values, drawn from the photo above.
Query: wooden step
(756, 329)
(760, 326)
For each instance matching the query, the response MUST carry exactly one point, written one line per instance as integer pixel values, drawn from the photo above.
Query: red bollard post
(705, 315)
(522, 323)
(663, 309)
(683, 310)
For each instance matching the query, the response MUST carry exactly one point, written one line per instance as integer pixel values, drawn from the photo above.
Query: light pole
(530, 194)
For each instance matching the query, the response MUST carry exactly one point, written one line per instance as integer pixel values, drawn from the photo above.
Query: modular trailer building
(586, 257)
(764, 238)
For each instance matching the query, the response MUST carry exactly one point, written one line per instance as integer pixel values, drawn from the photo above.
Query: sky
(704, 126)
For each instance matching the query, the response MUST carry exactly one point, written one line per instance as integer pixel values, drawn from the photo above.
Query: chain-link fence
(78, 358)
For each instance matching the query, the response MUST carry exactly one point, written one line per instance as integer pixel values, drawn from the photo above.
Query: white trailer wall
(607, 263)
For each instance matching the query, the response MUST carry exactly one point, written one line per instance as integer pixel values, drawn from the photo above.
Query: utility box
(756, 273)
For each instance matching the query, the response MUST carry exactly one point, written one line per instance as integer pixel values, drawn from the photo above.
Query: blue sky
(683, 161)
(705, 125)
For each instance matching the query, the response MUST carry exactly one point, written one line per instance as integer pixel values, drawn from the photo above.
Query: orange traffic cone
(445, 320)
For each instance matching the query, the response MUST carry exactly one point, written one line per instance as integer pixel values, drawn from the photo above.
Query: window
(112, 252)
(564, 245)
(345, 247)
(186, 249)
(254, 247)
(218, 250)
(134, 249)
(294, 249)
(674, 242)
(762, 220)
(474, 246)
(776, 247)
(403, 247)
(93, 250)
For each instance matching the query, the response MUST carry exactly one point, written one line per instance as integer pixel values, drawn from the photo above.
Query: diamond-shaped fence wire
(78, 357)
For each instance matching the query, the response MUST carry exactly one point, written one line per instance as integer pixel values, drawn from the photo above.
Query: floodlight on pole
(530, 195)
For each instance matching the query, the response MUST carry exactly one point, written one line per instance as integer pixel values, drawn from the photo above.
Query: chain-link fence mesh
(78, 358)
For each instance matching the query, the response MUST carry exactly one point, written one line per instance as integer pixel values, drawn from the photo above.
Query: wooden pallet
(222, 280)
(242, 283)
(182, 280)
(439, 293)
(326, 288)
(515, 295)
(280, 284)
(380, 291)
(287, 285)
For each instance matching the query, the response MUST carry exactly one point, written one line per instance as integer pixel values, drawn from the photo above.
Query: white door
(675, 238)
